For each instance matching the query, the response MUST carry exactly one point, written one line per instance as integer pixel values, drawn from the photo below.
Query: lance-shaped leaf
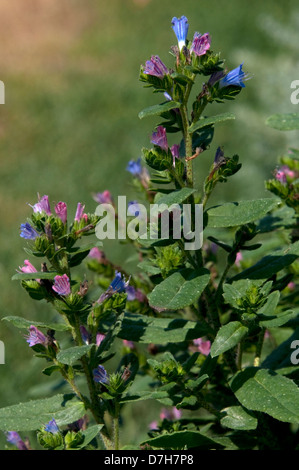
(36, 275)
(233, 214)
(65, 409)
(179, 290)
(271, 264)
(284, 122)
(227, 337)
(21, 322)
(176, 197)
(182, 439)
(145, 329)
(208, 121)
(264, 390)
(158, 109)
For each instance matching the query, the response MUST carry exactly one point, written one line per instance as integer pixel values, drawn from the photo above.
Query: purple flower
(61, 211)
(159, 138)
(85, 335)
(42, 205)
(103, 198)
(131, 293)
(35, 337)
(203, 347)
(28, 232)
(234, 78)
(79, 212)
(62, 285)
(52, 427)
(100, 375)
(175, 150)
(135, 167)
(155, 67)
(201, 44)
(180, 27)
(13, 438)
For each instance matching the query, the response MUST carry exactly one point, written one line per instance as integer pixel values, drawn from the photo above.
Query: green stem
(221, 282)
(259, 348)
(239, 355)
(94, 406)
(116, 426)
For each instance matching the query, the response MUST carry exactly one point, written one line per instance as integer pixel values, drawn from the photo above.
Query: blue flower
(52, 427)
(118, 284)
(134, 167)
(100, 375)
(180, 27)
(28, 232)
(133, 207)
(234, 78)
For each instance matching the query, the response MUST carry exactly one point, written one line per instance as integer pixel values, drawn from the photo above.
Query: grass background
(69, 125)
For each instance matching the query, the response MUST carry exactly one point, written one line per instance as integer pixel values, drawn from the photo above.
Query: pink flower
(203, 347)
(99, 338)
(153, 425)
(239, 258)
(128, 344)
(103, 198)
(28, 268)
(62, 285)
(159, 138)
(172, 414)
(79, 212)
(97, 254)
(61, 211)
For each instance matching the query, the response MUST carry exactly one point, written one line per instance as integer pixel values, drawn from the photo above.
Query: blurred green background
(69, 125)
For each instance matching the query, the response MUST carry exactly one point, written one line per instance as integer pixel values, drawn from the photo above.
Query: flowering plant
(197, 330)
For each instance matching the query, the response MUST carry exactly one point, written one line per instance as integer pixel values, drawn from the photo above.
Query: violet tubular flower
(35, 337)
(52, 427)
(235, 77)
(155, 67)
(28, 232)
(100, 375)
(201, 44)
(159, 138)
(14, 438)
(62, 285)
(42, 205)
(180, 26)
(103, 198)
(79, 212)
